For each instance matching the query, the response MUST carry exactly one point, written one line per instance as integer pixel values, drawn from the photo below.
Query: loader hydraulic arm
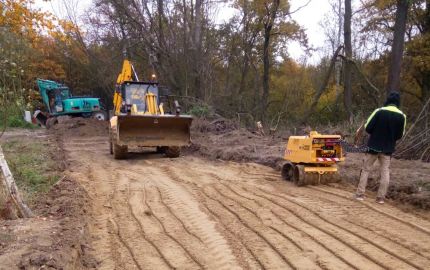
(127, 74)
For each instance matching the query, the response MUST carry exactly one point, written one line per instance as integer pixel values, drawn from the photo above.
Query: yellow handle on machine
(151, 103)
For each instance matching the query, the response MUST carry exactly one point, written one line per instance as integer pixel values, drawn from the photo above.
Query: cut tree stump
(12, 193)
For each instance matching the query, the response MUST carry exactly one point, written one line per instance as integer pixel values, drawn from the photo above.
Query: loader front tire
(119, 151)
(173, 151)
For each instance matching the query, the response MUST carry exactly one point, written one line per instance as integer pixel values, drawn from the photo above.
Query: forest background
(239, 69)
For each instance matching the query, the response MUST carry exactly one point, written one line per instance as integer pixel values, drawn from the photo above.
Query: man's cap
(393, 98)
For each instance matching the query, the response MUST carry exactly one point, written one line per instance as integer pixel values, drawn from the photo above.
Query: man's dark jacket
(385, 125)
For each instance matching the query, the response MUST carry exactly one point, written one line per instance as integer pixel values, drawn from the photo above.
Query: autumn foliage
(239, 68)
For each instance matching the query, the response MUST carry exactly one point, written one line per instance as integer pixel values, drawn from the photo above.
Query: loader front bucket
(154, 130)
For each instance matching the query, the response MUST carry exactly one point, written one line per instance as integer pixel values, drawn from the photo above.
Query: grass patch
(15, 119)
(32, 165)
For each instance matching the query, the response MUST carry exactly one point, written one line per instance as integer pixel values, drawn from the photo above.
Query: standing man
(385, 125)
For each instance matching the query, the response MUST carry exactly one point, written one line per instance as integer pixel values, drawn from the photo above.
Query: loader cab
(134, 94)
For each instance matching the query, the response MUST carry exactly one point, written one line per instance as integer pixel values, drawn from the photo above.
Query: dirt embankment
(57, 237)
(222, 139)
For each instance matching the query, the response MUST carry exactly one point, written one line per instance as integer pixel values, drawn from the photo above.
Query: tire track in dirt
(253, 258)
(112, 186)
(270, 260)
(369, 251)
(258, 227)
(219, 178)
(244, 244)
(252, 227)
(296, 243)
(408, 254)
(121, 239)
(280, 262)
(187, 251)
(190, 213)
(124, 212)
(391, 213)
(185, 206)
(318, 248)
(171, 212)
(354, 215)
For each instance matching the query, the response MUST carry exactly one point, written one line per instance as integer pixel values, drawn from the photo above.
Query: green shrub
(15, 120)
(200, 111)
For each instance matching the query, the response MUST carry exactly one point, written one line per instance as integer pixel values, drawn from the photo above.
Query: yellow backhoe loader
(139, 118)
(312, 160)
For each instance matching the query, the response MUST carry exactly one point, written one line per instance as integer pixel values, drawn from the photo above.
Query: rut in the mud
(151, 212)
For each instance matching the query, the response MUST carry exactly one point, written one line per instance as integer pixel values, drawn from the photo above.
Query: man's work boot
(380, 200)
(359, 197)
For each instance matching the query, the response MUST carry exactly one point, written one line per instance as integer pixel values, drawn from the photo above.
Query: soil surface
(221, 139)
(194, 212)
(152, 212)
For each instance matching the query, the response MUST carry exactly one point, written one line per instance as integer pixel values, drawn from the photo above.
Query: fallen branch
(12, 189)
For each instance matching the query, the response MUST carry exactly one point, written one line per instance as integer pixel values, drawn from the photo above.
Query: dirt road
(151, 212)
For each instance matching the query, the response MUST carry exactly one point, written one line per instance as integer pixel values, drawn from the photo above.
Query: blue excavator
(58, 101)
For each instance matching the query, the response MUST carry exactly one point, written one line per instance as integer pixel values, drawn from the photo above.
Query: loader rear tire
(173, 151)
(119, 151)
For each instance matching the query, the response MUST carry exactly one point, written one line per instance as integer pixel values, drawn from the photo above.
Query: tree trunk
(198, 48)
(268, 25)
(266, 63)
(393, 83)
(347, 87)
(12, 189)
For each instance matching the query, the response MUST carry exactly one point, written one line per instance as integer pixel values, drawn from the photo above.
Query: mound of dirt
(78, 126)
(223, 139)
(67, 203)
(410, 182)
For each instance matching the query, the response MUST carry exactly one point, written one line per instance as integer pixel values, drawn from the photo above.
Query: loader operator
(385, 125)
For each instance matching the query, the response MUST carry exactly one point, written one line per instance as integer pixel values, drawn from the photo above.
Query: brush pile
(415, 144)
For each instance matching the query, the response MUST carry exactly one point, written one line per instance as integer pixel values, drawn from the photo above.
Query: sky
(308, 17)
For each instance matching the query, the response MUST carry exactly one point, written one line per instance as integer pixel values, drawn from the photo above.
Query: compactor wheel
(330, 178)
(299, 176)
(288, 171)
(173, 151)
(161, 149)
(119, 152)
